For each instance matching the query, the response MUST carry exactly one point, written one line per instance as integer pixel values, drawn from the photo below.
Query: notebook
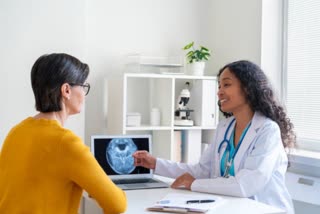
(187, 203)
(114, 154)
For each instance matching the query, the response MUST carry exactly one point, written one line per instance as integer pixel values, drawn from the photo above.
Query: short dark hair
(49, 73)
(261, 97)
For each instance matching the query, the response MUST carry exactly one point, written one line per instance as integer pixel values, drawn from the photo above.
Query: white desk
(138, 200)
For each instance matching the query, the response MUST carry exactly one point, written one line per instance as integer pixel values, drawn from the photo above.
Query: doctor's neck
(243, 117)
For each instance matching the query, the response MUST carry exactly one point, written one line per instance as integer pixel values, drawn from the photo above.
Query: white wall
(152, 28)
(272, 41)
(28, 30)
(247, 29)
(102, 32)
(232, 29)
(235, 32)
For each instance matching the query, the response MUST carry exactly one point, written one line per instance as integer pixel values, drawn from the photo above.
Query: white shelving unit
(140, 92)
(148, 64)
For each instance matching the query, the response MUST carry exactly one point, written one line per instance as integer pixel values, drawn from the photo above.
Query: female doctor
(247, 157)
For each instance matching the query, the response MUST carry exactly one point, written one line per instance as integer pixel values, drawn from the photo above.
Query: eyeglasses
(86, 87)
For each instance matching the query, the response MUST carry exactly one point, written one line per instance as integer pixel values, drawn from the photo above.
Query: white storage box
(133, 119)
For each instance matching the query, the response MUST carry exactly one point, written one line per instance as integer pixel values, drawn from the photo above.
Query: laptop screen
(114, 154)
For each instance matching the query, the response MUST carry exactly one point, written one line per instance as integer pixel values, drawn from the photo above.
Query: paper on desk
(177, 202)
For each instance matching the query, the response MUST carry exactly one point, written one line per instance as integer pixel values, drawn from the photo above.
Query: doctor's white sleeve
(200, 170)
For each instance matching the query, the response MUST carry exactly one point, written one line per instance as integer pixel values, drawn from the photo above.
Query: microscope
(182, 114)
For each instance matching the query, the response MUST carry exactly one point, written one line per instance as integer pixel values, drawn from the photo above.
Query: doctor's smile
(222, 101)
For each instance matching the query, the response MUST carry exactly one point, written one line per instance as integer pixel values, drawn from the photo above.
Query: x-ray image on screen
(119, 155)
(114, 154)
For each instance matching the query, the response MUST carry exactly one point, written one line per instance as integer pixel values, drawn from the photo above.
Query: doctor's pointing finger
(144, 159)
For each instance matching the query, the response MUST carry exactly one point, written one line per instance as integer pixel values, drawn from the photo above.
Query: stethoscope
(225, 140)
(229, 159)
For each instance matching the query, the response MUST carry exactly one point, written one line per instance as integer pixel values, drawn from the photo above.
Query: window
(302, 70)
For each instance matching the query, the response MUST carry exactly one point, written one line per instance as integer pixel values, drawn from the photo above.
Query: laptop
(114, 154)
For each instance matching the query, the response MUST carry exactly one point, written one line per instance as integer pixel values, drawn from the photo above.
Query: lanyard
(229, 158)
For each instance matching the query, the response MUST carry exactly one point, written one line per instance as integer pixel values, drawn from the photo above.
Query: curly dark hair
(260, 96)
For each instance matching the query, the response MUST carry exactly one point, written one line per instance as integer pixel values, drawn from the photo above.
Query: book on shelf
(176, 146)
(191, 146)
(204, 99)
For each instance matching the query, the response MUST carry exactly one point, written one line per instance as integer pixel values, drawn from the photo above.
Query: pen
(199, 201)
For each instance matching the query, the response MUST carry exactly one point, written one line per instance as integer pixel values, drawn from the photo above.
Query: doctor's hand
(144, 159)
(185, 180)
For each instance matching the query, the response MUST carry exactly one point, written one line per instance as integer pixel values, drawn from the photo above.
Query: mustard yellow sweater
(44, 168)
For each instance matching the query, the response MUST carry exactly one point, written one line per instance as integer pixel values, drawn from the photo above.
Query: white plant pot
(197, 68)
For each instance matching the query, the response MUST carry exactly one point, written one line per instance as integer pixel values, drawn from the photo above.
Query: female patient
(247, 156)
(43, 166)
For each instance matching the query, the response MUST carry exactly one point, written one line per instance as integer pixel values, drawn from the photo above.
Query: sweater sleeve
(82, 168)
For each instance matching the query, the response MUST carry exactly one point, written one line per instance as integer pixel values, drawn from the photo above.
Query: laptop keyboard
(134, 181)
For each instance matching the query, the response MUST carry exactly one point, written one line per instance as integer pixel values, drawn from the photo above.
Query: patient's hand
(185, 180)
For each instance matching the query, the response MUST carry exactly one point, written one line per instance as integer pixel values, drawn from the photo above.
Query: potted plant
(196, 58)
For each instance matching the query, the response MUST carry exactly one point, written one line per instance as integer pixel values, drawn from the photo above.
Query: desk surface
(139, 200)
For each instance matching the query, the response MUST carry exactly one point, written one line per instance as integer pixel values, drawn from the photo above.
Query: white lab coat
(260, 166)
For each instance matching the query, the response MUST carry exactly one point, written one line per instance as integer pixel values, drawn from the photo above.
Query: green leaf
(206, 54)
(190, 53)
(188, 46)
(196, 55)
(204, 48)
